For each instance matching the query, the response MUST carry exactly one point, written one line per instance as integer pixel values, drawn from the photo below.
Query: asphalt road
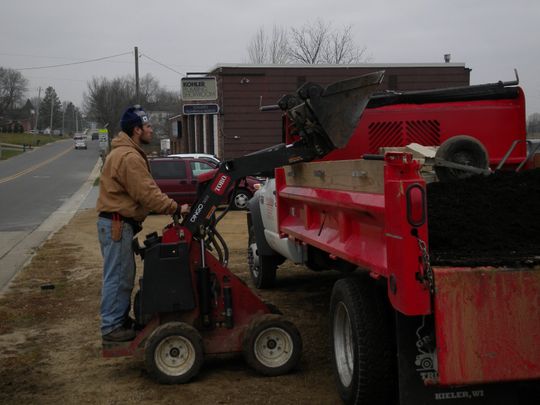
(34, 186)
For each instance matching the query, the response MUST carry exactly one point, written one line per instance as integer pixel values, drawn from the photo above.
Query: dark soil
(486, 220)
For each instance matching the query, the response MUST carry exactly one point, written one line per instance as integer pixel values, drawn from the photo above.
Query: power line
(162, 64)
(75, 63)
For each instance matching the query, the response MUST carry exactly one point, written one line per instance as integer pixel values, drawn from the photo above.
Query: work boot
(129, 323)
(120, 334)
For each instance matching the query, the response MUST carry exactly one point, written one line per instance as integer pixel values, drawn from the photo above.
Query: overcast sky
(492, 37)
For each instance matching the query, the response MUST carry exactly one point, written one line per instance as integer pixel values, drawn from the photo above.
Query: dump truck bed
(482, 235)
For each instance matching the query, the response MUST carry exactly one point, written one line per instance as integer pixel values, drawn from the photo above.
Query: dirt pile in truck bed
(486, 220)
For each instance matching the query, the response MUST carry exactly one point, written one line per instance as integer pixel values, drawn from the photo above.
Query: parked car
(80, 141)
(177, 177)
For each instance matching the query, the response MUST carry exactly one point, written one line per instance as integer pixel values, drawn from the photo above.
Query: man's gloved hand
(182, 210)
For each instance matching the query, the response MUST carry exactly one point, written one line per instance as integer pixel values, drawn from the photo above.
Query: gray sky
(492, 37)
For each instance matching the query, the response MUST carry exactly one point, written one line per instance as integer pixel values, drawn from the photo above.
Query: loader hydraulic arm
(325, 119)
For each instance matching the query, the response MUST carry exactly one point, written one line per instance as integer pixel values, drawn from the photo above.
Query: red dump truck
(444, 305)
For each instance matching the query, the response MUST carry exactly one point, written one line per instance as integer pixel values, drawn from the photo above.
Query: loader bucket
(338, 107)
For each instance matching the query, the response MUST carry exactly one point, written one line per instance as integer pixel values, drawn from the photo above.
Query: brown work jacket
(126, 185)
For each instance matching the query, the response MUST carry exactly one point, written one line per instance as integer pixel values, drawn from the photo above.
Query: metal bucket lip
(340, 105)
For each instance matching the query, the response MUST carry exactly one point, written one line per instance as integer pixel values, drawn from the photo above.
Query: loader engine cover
(166, 285)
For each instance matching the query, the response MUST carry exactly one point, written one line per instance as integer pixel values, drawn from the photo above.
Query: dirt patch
(493, 220)
(50, 341)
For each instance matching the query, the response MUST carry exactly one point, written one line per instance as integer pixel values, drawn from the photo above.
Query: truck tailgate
(487, 324)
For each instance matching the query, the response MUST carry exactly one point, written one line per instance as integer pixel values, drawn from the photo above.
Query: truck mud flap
(418, 372)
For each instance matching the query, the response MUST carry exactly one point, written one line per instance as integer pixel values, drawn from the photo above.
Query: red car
(177, 177)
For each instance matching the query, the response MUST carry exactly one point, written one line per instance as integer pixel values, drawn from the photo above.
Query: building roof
(335, 66)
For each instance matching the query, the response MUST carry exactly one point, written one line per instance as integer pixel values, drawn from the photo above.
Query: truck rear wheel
(464, 150)
(363, 344)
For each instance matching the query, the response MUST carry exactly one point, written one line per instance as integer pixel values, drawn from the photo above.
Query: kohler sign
(199, 88)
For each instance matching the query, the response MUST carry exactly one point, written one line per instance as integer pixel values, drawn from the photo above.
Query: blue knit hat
(132, 117)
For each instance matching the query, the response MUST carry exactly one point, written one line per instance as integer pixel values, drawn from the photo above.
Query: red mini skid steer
(189, 305)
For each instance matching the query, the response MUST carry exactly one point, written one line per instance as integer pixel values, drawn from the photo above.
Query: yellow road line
(35, 167)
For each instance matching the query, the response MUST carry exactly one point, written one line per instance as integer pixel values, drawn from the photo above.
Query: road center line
(32, 168)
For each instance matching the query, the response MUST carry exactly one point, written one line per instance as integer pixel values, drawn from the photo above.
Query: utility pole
(39, 101)
(64, 106)
(137, 75)
(52, 103)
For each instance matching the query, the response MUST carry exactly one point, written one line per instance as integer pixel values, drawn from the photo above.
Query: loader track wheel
(174, 353)
(363, 344)
(262, 268)
(272, 346)
(464, 150)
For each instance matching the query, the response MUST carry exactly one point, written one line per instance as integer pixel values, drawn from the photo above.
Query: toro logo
(220, 184)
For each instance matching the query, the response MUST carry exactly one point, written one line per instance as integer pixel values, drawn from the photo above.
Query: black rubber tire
(258, 345)
(240, 199)
(461, 149)
(363, 343)
(166, 348)
(262, 268)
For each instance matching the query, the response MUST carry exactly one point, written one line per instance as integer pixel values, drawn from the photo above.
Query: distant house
(19, 120)
(240, 127)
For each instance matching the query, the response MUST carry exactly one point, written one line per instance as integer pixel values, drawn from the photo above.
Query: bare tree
(269, 49)
(13, 86)
(308, 42)
(339, 48)
(107, 99)
(149, 89)
(278, 47)
(257, 48)
(313, 43)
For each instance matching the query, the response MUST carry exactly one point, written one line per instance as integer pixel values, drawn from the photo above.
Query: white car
(80, 142)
